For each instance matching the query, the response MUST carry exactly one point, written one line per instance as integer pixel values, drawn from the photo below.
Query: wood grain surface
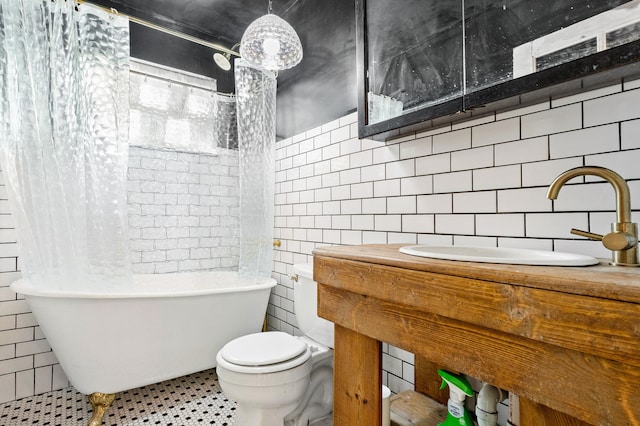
(561, 338)
(357, 401)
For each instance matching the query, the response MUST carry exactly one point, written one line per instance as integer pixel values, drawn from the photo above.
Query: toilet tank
(305, 299)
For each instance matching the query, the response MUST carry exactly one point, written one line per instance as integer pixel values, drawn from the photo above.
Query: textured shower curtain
(64, 125)
(256, 112)
(225, 129)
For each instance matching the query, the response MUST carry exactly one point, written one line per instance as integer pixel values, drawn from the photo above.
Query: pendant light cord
(270, 8)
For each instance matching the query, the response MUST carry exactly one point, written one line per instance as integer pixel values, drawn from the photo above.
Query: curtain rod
(165, 30)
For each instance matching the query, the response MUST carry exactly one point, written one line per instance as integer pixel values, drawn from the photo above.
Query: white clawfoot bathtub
(166, 326)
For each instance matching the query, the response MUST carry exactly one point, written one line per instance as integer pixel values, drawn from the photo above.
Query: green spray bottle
(459, 389)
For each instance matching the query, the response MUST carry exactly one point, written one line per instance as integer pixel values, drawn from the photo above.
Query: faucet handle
(590, 235)
(613, 241)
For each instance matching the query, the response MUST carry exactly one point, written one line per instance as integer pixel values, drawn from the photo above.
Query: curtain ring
(114, 13)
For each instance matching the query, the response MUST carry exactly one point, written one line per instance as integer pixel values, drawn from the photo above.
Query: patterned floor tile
(195, 399)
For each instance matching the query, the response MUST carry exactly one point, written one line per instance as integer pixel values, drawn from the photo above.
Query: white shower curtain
(225, 131)
(256, 111)
(63, 148)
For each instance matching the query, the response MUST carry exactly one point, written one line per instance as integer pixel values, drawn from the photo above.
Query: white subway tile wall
(478, 182)
(183, 210)
(21, 342)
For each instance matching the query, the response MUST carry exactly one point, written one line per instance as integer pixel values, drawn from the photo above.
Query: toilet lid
(262, 349)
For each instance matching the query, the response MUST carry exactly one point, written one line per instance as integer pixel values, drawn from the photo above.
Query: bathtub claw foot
(100, 403)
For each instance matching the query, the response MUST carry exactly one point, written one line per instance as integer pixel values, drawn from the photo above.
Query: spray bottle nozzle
(455, 381)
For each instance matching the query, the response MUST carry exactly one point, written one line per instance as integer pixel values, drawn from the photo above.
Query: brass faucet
(623, 238)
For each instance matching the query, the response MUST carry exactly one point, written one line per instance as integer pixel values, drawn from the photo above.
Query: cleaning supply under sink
(459, 389)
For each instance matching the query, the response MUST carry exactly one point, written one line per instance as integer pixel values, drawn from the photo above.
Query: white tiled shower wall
(183, 210)
(182, 187)
(479, 182)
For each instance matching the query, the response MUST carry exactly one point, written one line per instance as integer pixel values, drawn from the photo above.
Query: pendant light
(271, 43)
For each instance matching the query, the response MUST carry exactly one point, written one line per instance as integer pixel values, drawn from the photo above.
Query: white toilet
(278, 379)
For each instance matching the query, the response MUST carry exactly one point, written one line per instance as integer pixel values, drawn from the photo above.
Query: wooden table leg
(357, 379)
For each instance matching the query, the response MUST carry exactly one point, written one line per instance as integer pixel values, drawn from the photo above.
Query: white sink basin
(512, 256)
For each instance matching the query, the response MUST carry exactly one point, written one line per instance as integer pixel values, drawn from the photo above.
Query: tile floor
(195, 399)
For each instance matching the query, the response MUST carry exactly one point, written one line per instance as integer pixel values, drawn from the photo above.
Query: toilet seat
(261, 353)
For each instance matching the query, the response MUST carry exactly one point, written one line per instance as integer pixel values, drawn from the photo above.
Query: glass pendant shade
(271, 43)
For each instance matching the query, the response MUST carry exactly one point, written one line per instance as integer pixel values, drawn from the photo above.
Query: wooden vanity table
(566, 340)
